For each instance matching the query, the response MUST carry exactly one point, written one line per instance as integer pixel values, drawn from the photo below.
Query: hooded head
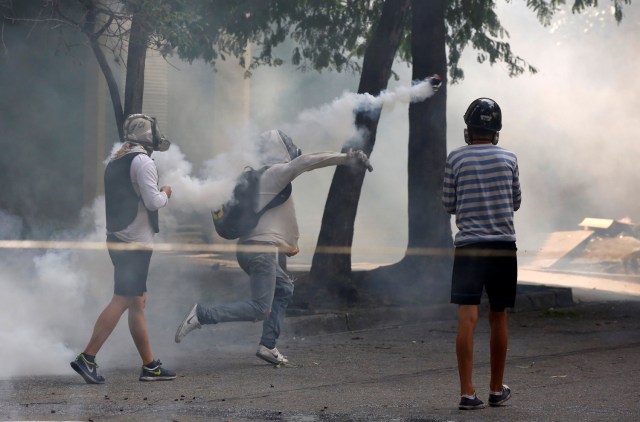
(142, 129)
(275, 146)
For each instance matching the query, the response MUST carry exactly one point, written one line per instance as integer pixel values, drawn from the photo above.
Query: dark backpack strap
(279, 199)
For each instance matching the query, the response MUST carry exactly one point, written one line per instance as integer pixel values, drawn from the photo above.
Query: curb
(536, 297)
(529, 298)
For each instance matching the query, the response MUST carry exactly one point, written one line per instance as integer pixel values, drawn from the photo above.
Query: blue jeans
(271, 290)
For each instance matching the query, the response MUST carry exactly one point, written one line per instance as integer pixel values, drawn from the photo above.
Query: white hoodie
(279, 225)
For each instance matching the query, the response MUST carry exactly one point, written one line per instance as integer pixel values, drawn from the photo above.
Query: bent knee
(261, 310)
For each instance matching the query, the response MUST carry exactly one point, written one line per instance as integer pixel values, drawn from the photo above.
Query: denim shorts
(492, 266)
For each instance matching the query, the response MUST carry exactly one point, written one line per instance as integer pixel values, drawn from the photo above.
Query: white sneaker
(271, 355)
(189, 324)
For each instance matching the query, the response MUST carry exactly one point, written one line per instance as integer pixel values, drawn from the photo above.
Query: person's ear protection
(467, 137)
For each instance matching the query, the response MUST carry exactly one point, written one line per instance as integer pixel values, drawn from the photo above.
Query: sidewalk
(567, 361)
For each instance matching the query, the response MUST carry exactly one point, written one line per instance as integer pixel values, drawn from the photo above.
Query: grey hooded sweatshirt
(279, 225)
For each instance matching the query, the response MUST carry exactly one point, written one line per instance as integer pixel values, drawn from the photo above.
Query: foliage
(326, 34)
(475, 22)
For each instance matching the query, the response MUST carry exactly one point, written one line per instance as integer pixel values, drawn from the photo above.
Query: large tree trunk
(136, 57)
(423, 274)
(331, 268)
(429, 223)
(430, 240)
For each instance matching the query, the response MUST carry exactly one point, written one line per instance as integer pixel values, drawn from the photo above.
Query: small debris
(287, 365)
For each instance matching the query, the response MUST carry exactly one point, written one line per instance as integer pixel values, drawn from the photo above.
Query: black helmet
(484, 114)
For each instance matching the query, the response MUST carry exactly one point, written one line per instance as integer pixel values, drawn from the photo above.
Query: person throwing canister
(482, 188)
(263, 250)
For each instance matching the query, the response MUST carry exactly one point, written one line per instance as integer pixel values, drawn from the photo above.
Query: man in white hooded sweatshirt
(276, 233)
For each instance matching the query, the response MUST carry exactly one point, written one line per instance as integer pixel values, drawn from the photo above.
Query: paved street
(565, 364)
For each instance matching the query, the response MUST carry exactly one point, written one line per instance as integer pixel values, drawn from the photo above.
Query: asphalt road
(575, 363)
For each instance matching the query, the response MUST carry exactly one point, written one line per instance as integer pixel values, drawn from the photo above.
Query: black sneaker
(470, 403)
(88, 370)
(498, 399)
(155, 372)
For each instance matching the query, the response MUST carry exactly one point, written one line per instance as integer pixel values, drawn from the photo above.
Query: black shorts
(130, 269)
(489, 265)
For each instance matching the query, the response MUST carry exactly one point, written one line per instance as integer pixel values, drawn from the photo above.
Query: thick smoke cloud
(65, 284)
(47, 297)
(572, 123)
(334, 121)
(572, 126)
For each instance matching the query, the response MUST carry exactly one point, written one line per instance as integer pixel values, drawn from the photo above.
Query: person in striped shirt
(482, 188)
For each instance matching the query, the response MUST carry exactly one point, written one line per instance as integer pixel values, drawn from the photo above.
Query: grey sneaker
(498, 399)
(470, 403)
(155, 372)
(189, 324)
(271, 355)
(88, 370)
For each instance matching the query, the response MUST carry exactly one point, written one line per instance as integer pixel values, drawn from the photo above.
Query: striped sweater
(482, 188)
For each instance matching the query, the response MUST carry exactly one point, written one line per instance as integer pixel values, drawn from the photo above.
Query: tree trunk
(423, 273)
(89, 28)
(429, 223)
(330, 268)
(136, 56)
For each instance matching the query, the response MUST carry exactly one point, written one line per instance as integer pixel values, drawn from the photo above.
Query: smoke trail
(207, 191)
(335, 121)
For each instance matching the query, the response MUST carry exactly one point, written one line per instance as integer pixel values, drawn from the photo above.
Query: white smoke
(333, 123)
(53, 297)
(203, 192)
(572, 126)
(47, 298)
